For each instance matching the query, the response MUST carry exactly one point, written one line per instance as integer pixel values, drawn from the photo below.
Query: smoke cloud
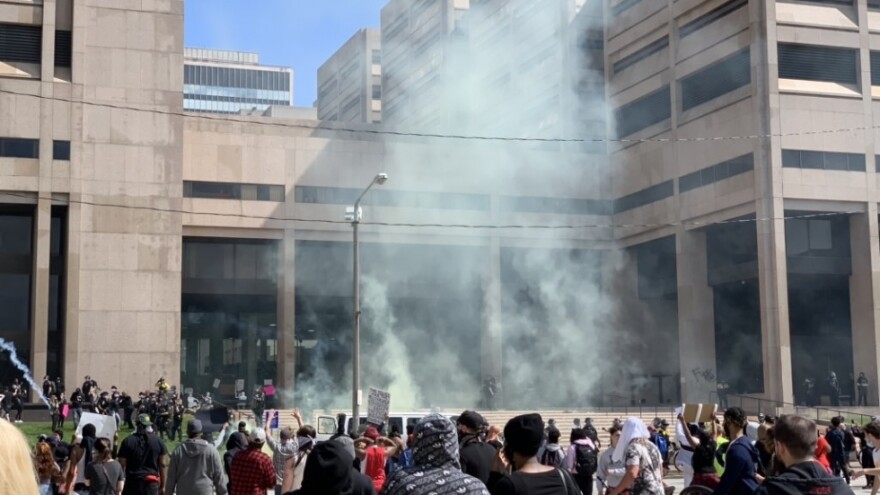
(434, 325)
(13, 355)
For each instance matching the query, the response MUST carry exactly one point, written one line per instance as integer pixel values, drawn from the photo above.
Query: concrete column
(72, 369)
(770, 207)
(40, 288)
(773, 287)
(696, 318)
(286, 357)
(491, 337)
(864, 288)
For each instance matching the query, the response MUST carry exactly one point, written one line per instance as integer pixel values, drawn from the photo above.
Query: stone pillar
(773, 287)
(696, 318)
(491, 338)
(286, 379)
(770, 207)
(864, 288)
(40, 289)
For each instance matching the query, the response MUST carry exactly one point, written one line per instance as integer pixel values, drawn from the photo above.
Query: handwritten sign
(378, 406)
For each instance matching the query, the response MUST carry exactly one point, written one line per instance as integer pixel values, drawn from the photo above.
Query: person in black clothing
(177, 411)
(76, 405)
(475, 454)
(127, 406)
(837, 439)
(834, 389)
(523, 436)
(145, 460)
(59, 386)
(795, 445)
(48, 387)
(88, 386)
(237, 442)
(862, 383)
(703, 460)
(60, 449)
(329, 471)
(259, 405)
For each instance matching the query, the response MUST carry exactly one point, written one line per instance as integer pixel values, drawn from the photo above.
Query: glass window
(820, 234)
(19, 148)
(61, 150)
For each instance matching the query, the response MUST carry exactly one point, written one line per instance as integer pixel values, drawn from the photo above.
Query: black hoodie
(806, 478)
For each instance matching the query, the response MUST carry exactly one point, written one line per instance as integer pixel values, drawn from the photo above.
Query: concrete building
(139, 241)
(760, 253)
(420, 41)
(350, 81)
(221, 81)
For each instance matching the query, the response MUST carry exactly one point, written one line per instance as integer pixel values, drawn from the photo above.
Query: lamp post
(355, 217)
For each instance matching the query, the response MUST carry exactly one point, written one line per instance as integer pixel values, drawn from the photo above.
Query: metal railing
(820, 414)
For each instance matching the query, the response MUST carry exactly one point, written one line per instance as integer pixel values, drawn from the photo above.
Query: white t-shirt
(684, 456)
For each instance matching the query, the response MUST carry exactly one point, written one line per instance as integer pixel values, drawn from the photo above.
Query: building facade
(350, 81)
(731, 234)
(760, 250)
(220, 81)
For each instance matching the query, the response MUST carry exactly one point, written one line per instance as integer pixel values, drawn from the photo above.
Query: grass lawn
(33, 431)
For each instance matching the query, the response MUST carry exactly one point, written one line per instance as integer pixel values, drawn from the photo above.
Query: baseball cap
(194, 426)
(471, 419)
(257, 435)
(144, 419)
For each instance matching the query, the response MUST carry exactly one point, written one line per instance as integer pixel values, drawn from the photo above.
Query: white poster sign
(105, 425)
(378, 406)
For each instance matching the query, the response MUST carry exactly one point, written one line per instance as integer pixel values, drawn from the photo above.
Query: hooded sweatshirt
(195, 468)
(437, 469)
(808, 478)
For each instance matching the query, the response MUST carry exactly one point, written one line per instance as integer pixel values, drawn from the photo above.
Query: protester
(81, 455)
(237, 442)
(281, 451)
(60, 450)
(252, 471)
(104, 475)
(582, 460)
(476, 454)
(361, 483)
(644, 467)
(702, 445)
(739, 476)
(144, 458)
(195, 467)
(823, 453)
(795, 444)
(610, 473)
(685, 459)
(17, 475)
(553, 454)
(437, 468)
(294, 467)
(329, 471)
(866, 461)
(492, 436)
(523, 436)
(48, 471)
(872, 437)
(837, 439)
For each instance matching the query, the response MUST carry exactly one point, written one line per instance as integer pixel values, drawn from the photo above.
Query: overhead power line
(390, 132)
(442, 225)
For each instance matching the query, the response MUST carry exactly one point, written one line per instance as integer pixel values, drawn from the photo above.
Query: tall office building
(350, 81)
(747, 177)
(220, 81)
(420, 44)
(536, 69)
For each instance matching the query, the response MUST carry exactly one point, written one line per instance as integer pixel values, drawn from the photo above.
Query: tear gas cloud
(438, 318)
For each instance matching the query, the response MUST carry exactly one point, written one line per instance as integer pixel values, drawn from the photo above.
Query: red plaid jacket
(252, 473)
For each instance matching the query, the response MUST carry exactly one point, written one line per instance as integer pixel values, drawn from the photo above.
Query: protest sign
(378, 406)
(216, 383)
(699, 413)
(104, 425)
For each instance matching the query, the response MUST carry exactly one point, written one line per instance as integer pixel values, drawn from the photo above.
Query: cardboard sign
(378, 406)
(699, 413)
(213, 420)
(105, 425)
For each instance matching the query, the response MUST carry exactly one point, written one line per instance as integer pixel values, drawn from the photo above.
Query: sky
(301, 34)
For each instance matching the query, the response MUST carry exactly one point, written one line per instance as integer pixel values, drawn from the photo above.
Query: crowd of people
(440, 455)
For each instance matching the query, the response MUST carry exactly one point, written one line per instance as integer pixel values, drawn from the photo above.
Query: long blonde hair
(16, 462)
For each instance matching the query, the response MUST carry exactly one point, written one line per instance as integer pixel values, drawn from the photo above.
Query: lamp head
(381, 178)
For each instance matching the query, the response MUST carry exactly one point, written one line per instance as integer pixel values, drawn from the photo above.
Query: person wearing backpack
(662, 444)
(553, 455)
(582, 460)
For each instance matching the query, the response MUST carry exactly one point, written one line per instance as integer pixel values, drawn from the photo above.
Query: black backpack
(586, 461)
(552, 458)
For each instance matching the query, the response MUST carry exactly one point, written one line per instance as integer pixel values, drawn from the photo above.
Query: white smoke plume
(13, 355)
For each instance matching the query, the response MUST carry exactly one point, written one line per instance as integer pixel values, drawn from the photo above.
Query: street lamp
(354, 216)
